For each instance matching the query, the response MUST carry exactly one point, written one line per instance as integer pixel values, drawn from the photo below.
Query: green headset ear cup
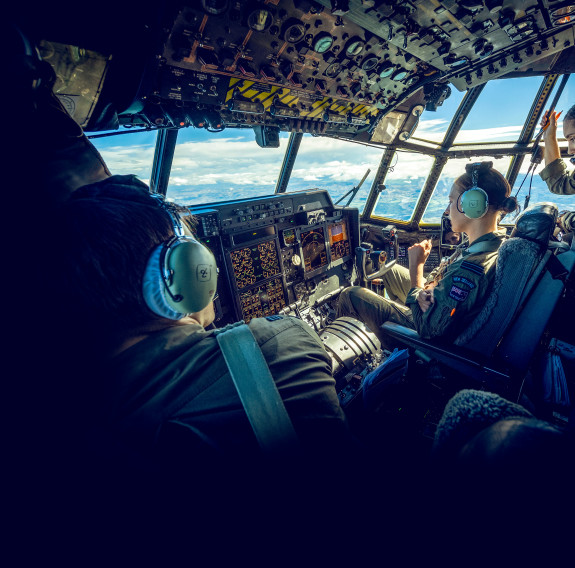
(474, 203)
(194, 275)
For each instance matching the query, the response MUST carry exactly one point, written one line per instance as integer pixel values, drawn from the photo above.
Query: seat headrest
(537, 223)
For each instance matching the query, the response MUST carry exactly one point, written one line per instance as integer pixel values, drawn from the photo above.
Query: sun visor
(388, 127)
(80, 75)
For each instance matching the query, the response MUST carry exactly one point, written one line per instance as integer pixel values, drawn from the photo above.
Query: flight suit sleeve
(557, 178)
(454, 297)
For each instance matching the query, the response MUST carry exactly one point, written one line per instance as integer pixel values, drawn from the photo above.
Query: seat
(495, 351)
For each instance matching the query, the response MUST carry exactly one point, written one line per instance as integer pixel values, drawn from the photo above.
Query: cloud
(135, 160)
(232, 166)
(503, 133)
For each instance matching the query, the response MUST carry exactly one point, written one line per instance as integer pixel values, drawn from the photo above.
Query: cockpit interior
(391, 99)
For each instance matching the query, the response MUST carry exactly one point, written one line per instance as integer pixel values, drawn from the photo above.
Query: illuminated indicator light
(452, 312)
(562, 20)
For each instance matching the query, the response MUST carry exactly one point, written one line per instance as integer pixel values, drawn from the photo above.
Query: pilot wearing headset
(147, 295)
(555, 173)
(444, 303)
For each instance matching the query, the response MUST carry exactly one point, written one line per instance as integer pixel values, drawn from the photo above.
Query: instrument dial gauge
(294, 32)
(399, 75)
(215, 7)
(322, 42)
(354, 47)
(386, 70)
(333, 70)
(260, 20)
(369, 62)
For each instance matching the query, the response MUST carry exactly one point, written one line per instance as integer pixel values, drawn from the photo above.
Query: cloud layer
(230, 165)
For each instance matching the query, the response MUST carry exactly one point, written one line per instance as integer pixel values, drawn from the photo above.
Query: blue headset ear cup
(474, 203)
(154, 288)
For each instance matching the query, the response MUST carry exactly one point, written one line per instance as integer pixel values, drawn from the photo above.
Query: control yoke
(383, 266)
(364, 252)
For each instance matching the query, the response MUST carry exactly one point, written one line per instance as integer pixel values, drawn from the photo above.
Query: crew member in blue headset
(445, 302)
(161, 370)
(555, 173)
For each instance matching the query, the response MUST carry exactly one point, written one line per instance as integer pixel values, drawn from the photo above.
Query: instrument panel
(280, 253)
(288, 253)
(255, 263)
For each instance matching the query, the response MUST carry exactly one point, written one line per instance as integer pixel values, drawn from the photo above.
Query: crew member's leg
(397, 283)
(371, 309)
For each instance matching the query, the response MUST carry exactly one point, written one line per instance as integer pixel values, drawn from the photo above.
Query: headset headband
(174, 216)
(475, 174)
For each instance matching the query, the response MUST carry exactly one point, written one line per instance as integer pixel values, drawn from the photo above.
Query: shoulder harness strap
(257, 390)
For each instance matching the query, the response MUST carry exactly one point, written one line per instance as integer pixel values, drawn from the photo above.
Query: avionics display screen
(313, 249)
(255, 263)
(338, 240)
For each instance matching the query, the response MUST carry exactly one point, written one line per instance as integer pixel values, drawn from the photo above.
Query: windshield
(131, 153)
(220, 166)
(451, 171)
(433, 123)
(500, 111)
(335, 165)
(404, 181)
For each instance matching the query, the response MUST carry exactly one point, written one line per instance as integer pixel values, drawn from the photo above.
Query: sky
(210, 167)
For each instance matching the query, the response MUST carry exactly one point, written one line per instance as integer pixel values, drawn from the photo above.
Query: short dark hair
(570, 114)
(106, 232)
(493, 183)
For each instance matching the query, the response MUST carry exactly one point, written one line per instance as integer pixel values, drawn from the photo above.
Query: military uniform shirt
(557, 178)
(179, 376)
(460, 294)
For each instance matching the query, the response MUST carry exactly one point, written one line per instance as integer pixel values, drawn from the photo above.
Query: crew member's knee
(345, 303)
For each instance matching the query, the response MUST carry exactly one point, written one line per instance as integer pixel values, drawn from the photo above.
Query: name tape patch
(464, 282)
(458, 294)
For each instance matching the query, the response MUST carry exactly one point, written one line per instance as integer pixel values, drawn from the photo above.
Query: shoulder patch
(458, 294)
(472, 267)
(462, 281)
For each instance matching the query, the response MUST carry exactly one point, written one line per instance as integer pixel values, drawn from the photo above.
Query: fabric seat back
(520, 262)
